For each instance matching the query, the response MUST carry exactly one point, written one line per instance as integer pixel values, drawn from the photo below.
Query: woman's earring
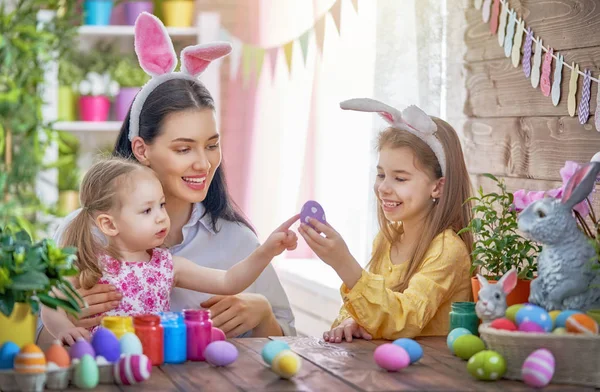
(433, 199)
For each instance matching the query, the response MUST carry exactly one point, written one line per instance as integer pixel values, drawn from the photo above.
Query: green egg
(467, 345)
(560, 331)
(487, 365)
(86, 374)
(511, 312)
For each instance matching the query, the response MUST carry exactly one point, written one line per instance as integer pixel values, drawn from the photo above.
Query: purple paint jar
(199, 332)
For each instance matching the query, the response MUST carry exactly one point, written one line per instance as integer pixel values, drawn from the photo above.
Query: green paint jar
(463, 315)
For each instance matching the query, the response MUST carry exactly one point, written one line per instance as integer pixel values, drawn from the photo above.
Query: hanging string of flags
(510, 29)
(251, 57)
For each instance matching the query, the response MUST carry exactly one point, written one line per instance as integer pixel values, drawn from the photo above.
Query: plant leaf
(30, 281)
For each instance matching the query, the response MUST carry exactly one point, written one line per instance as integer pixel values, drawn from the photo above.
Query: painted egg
(132, 369)
(538, 368)
(467, 345)
(414, 349)
(8, 352)
(312, 209)
(130, 344)
(553, 315)
(106, 344)
(56, 354)
(30, 359)
(391, 357)
(561, 319)
(560, 331)
(487, 365)
(511, 312)
(86, 374)
(530, 326)
(220, 353)
(80, 348)
(454, 334)
(217, 334)
(271, 349)
(582, 323)
(535, 314)
(286, 364)
(504, 324)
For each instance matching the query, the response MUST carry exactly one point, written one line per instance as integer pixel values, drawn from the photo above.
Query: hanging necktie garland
(505, 22)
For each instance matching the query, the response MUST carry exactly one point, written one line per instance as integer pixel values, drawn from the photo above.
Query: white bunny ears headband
(412, 119)
(157, 58)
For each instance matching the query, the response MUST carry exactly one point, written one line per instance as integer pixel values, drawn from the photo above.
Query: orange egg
(57, 354)
(30, 360)
(582, 323)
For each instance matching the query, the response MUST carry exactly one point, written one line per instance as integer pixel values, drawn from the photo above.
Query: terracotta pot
(519, 295)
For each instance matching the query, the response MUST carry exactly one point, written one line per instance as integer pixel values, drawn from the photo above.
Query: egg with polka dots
(312, 209)
(535, 314)
(487, 365)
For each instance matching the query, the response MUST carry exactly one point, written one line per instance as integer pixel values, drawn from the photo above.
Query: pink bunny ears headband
(157, 58)
(412, 119)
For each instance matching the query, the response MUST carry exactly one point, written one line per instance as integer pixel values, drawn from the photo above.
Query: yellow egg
(553, 315)
(287, 364)
(30, 359)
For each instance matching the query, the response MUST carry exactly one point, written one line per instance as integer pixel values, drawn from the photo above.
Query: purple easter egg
(80, 348)
(220, 353)
(312, 209)
(530, 326)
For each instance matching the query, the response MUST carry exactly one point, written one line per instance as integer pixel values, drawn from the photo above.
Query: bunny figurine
(491, 303)
(566, 279)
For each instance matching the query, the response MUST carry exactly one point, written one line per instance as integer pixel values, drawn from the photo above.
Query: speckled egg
(132, 369)
(80, 348)
(30, 359)
(312, 209)
(582, 323)
(538, 368)
(86, 374)
(130, 344)
(487, 365)
(530, 326)
(8, 352)
(414, 349)
(271, 349)
(391, 357)
(56, 354)
(504, 324)
(467, 345)
(106, 344)
(535, 314)
(511, 312)
(454, 334)
(286, 364)
(220, 353)
(561, 319)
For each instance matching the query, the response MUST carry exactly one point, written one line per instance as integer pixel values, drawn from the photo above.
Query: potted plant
(130, 77)
(69, 76)
(97, 12)
(32, 274)
(178, 13)
(497, 245)
(134, 8)
(68, 173)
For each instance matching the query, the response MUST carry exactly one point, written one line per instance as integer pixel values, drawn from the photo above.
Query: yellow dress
(423, 308)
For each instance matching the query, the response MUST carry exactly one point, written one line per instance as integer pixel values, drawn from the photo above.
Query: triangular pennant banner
(355, 4)
(235, 57)
(247, 57)
(273, 54)
(320, 33)
(288, 49)
(259, 58)
(336, 13)
(304, 44)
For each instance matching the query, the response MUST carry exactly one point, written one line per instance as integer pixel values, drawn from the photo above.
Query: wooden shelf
(88, 126)
(120, 31)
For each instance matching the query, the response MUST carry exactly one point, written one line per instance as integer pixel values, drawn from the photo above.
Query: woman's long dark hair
(173, 96)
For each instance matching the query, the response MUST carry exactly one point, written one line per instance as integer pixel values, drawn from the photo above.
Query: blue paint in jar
(175, 337)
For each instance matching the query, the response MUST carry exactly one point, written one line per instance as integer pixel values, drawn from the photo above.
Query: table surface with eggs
(326, 367)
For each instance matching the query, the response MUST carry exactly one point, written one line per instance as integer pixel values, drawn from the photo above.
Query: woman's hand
(238, 314)
(347, 329)
(99, 299)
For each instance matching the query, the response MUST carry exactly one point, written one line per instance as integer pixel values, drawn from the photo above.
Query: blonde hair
(98, 194)
(450, 211)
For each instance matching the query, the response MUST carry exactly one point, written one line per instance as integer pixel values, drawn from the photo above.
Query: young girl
(126, 203)
(419, 265)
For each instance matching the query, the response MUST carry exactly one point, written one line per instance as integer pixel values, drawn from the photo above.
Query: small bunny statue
(566, 279)
(491, 303)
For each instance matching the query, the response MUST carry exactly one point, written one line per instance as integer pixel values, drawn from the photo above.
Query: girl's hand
(347, 329)
(99, 299)
(70, 336)
(282, 238)
(331, 249)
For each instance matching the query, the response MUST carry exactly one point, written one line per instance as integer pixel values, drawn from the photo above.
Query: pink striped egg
(132, 369)
(538, 369)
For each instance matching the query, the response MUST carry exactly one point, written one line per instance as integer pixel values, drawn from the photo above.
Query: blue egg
(561, 319)
(7, 355)
(414, 349)
(536, 315)
(454, 334)
(271, 349)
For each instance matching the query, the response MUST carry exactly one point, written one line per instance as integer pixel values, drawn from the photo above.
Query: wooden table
(327, 367)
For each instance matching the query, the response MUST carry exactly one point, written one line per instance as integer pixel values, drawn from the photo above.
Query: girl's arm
(61, 328)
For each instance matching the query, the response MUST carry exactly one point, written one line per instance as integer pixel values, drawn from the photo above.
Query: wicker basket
(577, 356)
